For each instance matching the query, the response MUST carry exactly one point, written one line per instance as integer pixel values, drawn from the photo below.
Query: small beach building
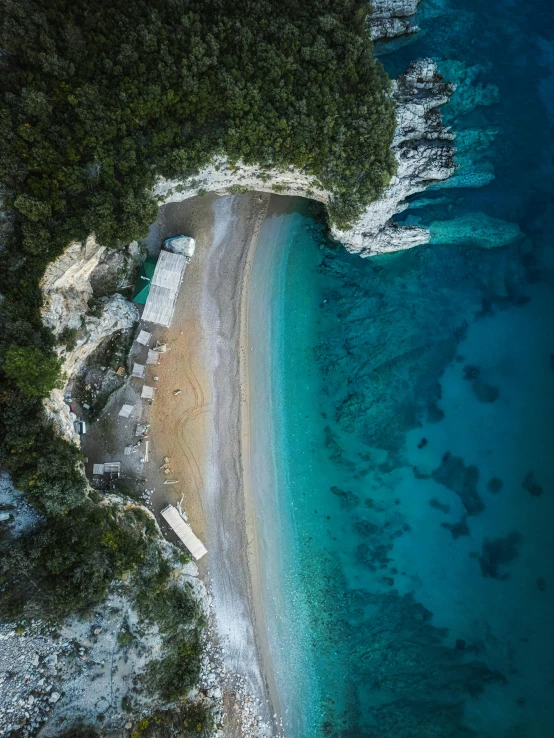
(138, 370)
(143, 338)
(164, 288)
(147, 392)
(184, 531)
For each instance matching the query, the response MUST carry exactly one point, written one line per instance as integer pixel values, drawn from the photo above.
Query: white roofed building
(184, 531)
(164, 288)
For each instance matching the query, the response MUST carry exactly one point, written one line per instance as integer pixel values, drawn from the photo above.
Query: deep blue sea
(410, 552)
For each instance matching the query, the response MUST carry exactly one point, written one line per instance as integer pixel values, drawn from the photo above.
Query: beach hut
(144, 279)
(143, 338)
(147, 392)
(113, 468)
(138, 370)
(184, 532)
(153, 357)
(164, 288)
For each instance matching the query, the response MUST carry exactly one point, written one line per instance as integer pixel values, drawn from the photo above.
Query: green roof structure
(142, 285)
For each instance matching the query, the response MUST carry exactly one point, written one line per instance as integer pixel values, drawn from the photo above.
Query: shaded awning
(142, 285)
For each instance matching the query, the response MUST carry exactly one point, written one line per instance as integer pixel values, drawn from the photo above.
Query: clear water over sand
(407, 503)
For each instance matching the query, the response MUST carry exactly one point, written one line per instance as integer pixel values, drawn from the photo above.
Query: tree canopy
(34, 372)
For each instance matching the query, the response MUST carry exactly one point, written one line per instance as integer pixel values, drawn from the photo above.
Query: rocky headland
(422, 146)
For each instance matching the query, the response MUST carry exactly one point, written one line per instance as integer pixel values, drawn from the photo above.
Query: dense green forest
(97, 99)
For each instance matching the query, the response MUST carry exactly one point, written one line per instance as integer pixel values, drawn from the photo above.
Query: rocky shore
(390, 18)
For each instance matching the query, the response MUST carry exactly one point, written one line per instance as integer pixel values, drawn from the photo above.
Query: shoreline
(252, 531)
(206, 433)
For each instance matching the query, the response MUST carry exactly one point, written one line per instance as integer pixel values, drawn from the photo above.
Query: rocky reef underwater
(419, 409)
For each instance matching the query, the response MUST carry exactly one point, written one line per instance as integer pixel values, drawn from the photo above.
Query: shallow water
(408, 499)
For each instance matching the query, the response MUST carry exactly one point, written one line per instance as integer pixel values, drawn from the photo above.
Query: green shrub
(185, 721)
(68, 563)
(34, 373)
(180, 619)
(68, 338)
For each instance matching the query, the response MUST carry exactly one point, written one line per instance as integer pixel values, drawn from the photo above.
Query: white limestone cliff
(390, 18)
(66, 290)
(423, 149)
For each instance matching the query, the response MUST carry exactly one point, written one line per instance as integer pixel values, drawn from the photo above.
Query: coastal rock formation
(424, 151)
(422, 146)
(66, 285)
(389, 18)
(78, 672)
(67, 289)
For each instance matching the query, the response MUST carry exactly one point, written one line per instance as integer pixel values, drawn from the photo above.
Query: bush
(68, 563)
(185, 721)
(39, 462)
(180, 619)
(34, 373)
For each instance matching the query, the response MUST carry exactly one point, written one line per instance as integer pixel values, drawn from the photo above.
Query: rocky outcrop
(390, 18)
(67, 289)
(425, 154)
(422, 146)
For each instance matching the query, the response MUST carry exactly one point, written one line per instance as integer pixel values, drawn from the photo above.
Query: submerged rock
(497, 553)
(461, 479)
(531, 485)
(485, 392)
(457, 529)
(477, 229)
(348, 499)
(494, 485)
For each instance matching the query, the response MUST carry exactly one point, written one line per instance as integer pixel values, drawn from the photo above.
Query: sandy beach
(205, 431)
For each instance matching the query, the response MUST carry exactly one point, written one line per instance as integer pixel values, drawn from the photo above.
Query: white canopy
(184, 531)
(143, 338)
(126, 411)
(164, 288)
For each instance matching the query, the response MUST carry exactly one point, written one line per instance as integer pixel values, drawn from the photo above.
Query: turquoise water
(408, 540)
